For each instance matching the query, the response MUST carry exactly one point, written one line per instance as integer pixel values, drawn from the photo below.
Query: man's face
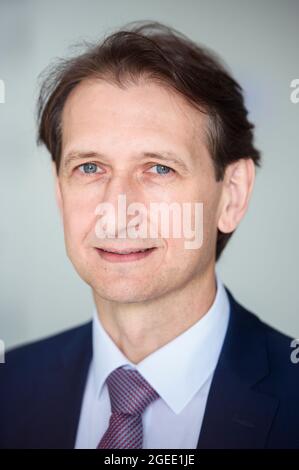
(116, 130)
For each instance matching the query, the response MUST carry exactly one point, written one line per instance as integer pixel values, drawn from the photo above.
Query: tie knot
(129, 392)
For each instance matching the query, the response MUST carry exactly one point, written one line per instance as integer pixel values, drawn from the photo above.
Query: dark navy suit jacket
(253, 400)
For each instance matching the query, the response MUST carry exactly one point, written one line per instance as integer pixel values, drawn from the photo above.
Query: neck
(138, 329)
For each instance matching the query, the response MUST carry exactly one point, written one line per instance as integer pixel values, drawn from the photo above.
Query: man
(170, 359)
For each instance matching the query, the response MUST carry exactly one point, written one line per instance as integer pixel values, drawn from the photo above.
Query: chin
(124, 292)
(121, 296)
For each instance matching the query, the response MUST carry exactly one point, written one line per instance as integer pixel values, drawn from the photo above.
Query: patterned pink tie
(130, 394)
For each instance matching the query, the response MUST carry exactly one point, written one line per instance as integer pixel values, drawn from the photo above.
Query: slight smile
(116, 256)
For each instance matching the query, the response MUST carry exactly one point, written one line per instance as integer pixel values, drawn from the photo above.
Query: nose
(120, 192)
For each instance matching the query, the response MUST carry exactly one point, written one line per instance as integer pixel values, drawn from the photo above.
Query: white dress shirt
(180, 371)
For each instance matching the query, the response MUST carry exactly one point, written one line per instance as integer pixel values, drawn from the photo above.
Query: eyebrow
(166, 156)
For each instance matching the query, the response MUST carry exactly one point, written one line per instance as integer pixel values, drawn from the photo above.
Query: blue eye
(162, 169)
(88, 168)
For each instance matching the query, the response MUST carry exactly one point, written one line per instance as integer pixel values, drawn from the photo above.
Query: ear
(236, 191)
(57, 188)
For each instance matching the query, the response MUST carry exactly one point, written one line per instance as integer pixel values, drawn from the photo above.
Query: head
(153, 116)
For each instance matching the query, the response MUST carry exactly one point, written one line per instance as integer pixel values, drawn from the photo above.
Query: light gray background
(40, 292)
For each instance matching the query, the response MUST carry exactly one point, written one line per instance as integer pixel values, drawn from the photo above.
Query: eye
(88, 168)
(162, 169)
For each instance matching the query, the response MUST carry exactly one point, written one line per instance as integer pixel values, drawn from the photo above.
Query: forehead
(101, 113)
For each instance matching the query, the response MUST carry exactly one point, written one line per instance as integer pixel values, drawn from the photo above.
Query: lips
(125, 252)
(125, 255)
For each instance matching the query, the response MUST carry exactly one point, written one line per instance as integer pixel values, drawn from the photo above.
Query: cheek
(211, 206)
(177, 253)
(78, 218)
(181, 264)
(210, 209)
(208, 195)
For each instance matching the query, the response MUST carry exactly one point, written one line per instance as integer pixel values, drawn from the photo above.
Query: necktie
(130, 394)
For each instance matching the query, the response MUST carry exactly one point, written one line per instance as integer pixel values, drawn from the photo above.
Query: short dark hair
(151, 50)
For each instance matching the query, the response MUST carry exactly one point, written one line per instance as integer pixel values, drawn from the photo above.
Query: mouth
(125, 255)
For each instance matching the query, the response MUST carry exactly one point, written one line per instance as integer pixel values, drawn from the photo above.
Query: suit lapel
(59, 393)
(76, 361)
(238, 415)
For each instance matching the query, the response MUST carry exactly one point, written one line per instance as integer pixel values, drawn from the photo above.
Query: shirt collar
(178, 369)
